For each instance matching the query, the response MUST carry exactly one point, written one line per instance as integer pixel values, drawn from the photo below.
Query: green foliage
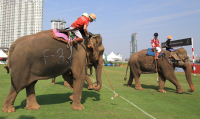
(55, 103)
(197, 61)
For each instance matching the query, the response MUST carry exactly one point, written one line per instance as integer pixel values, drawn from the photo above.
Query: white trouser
(77, 32)
(158, 49)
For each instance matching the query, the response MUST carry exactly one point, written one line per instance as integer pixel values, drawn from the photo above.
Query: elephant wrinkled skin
(39, 56)
(140, 63)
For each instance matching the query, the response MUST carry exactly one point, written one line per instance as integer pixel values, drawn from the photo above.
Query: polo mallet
(115, 94)
(156, 65)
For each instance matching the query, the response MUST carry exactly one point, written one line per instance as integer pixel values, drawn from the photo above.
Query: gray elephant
(140, 63)
(40, 56)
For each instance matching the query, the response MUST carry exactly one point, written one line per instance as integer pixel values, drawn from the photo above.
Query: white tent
(110, 60)
(114, 57)
(3, 55)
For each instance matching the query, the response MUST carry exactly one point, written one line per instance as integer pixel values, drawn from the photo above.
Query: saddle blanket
(61, 35)
(152, 53)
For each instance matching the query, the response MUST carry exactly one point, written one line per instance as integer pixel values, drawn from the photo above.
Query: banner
(176, 43)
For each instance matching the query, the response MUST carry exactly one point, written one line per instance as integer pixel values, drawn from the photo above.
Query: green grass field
(131, 103)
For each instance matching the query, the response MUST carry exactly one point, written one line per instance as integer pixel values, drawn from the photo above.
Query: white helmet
(85, 14)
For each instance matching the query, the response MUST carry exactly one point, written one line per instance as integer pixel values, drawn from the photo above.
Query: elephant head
(95, 52)
(184, 62)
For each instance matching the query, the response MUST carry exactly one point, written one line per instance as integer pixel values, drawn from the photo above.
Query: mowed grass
(55, 103)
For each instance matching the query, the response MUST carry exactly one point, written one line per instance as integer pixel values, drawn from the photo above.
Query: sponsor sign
(176, 43)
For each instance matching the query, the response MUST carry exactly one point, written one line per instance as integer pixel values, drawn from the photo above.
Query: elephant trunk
(98, 69)
(189, 77)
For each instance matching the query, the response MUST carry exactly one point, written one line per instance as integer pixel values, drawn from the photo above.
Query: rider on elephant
(82, 22)
(169, 48)
(156, 44)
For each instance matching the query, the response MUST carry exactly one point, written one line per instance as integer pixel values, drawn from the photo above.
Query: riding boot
(76, 40)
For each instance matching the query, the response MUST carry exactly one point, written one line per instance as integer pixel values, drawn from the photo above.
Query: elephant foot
(129, 85)
(53, 83)
(34, 106)
(66, 84)
(162, 91)
(77, 106)
(180, 91)
(71, 97)
(190, 90)
(139, 88)
(8, 109)
(90, 87)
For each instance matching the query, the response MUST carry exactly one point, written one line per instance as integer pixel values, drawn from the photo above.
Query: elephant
(90, 67)
(87, 79)
(40, 56)
(66, 84)
(140, 63)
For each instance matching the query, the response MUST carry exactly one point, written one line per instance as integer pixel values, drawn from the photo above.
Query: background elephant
(140, 63)
(90, 68)
(66, 84)
(39, 56)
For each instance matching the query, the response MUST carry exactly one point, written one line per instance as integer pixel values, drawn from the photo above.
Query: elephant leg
(68, 80)
(53, 81)
(90, 71)
(130, 81)
(78, 82)
(161, 83)
(66, 84)
(172, 78)
(31, 102)
(87, 79)
(136, 75)
(9, 101)
(137, 82)
(78, 86)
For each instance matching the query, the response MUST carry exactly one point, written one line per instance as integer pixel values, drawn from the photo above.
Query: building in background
(133, 43)
(19, 18)
(57, 24)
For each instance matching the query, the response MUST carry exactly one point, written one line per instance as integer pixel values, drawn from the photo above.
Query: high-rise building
(19, 18)
(57, 24)
(133, 43)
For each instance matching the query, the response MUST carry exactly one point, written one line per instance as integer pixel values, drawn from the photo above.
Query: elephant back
(43, 53)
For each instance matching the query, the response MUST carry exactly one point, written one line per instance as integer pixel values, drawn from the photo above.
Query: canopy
(3, 55)
(114, 57)
(110, 60)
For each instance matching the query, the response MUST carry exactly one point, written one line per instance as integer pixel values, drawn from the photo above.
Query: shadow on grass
(156, 88)
(60, 83)
(152, 87)
(26, 117)
(21, 117)
(60, 98)
(3, 117)
(48, 99)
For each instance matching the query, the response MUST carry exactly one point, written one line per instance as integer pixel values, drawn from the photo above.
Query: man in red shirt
(156, 44)
(82, 22)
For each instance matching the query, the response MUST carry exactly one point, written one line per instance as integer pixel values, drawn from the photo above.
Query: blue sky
(117, 20)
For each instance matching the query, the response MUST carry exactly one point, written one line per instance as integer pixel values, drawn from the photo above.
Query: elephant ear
(96, 45)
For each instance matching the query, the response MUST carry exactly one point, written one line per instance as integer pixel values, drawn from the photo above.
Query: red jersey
(80, 22)
(155, 43)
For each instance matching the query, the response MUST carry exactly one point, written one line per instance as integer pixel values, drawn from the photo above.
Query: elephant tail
(126, 71)
(7, 67)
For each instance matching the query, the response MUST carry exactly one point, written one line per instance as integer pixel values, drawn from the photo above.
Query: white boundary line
(132, 104)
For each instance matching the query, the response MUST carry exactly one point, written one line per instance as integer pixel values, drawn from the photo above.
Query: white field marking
(131, 103)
